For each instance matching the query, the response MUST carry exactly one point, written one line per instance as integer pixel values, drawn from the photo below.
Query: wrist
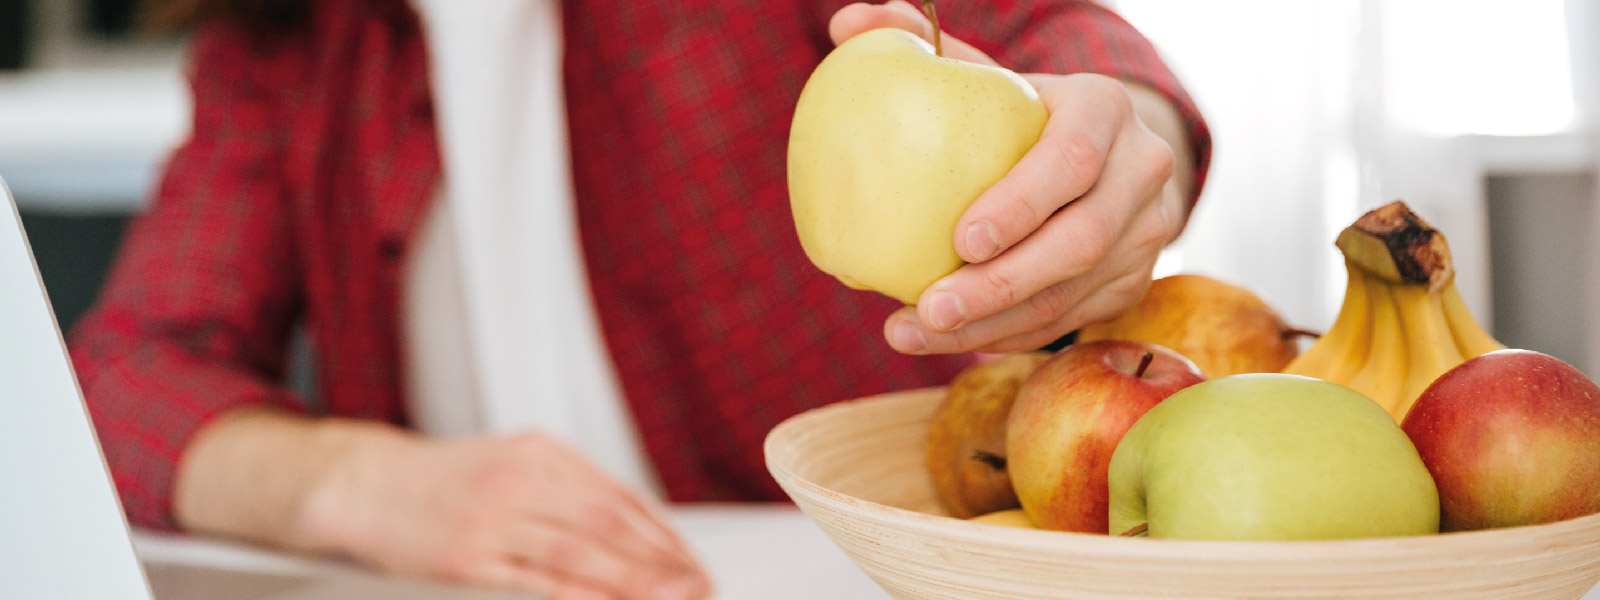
(336, 515)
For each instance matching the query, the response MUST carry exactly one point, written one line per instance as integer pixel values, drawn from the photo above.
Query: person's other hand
(1068, 237)
(524, 512)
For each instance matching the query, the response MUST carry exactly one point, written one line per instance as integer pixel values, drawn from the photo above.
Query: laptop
(62, 530)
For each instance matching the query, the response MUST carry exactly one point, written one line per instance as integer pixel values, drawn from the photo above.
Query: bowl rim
(1052, 541)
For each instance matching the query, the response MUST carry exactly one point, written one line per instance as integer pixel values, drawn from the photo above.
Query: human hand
(524, 512)
(1068, 237)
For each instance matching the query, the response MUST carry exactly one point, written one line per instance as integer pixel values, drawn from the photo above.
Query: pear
(967, 435)
(889, 145)
(1011, 517)
(1225, 329)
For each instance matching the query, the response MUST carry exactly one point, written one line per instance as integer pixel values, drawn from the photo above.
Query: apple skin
(1069, 416)
(972, 422)
(1512, 437)
(889, 145)
(1270, 456)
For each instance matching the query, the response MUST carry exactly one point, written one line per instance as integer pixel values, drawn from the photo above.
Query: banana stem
(1140, 530)
(927, 9)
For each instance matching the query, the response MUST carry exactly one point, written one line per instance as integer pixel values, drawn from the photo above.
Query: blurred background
(1479, 113)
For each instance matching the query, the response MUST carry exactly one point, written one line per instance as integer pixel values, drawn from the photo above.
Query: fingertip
(860, 17)
(979, 242)
(942, 310)
(903, 332)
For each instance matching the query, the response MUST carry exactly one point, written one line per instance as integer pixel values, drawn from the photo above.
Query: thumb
(899, 14)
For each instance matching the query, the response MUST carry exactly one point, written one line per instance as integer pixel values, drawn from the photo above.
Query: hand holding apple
(889, 145)
(1068, 418)
(1270, 457)
(1513, 438)
(1070, 233)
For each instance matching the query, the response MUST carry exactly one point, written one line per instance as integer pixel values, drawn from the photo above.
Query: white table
(752, 551)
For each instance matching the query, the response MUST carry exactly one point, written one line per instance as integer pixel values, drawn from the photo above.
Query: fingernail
(945, 311)
(907, 337)
(983, 242)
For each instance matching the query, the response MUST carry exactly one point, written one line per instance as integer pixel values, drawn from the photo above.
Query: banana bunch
(1403, 323)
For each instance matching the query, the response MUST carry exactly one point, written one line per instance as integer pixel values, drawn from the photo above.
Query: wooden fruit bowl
(856, 468)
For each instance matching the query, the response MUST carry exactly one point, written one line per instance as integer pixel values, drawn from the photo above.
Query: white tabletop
(752, 551)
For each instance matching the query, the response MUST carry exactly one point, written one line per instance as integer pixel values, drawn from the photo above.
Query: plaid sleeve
(194, 317)
(1067, 36)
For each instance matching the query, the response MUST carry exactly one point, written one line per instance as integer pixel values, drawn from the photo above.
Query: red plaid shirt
(313, 153)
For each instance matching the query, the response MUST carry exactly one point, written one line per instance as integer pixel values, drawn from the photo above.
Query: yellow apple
(889, 146)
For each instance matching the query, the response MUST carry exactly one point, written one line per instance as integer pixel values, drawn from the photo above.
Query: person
(301, 191)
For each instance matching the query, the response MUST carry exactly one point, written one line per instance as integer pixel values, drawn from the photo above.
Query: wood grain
(856, 468)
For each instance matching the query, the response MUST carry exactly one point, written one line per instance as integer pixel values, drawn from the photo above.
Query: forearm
(265, 475)
(1163, 119)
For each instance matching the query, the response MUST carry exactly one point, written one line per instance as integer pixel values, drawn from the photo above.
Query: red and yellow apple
(1069, 416)
(1512, 438)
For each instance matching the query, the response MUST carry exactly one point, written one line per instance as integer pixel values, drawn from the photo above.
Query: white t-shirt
(501, 334)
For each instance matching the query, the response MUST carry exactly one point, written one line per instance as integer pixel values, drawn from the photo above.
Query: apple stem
(1140, 530)
(1144, 363)
(927, 8)
(993, 460)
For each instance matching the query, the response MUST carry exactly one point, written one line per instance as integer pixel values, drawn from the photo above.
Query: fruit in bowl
(1403, 322)
(1269, 457)
(846, 466)
(1513, 438)
(967, 436)
(1224, 328)
(1068, 418)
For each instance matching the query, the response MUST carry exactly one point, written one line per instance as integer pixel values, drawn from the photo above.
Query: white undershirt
(501, 334)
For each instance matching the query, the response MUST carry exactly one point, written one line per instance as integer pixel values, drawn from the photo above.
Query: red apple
(1069, 416)
(1511, 437)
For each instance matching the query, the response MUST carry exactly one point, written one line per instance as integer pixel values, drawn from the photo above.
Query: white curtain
(1324, 109)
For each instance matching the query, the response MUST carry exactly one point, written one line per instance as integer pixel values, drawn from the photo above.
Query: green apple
(889, 146)
(1270, 457)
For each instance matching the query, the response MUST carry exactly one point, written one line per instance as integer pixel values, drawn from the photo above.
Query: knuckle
(1001, 286)
(960, 340)
(498, 479)
(1079, 158)
(1050, 303)
(1095, 236)
(1160, 159)
(1151, 231)
(604, 521)
(1016, 208)
(1109, 88)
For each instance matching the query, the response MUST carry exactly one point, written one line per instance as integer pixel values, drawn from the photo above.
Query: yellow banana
(1470, 338)
(1430, 348)
(1340, 353)
(1403, 323)
(1383, 377)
